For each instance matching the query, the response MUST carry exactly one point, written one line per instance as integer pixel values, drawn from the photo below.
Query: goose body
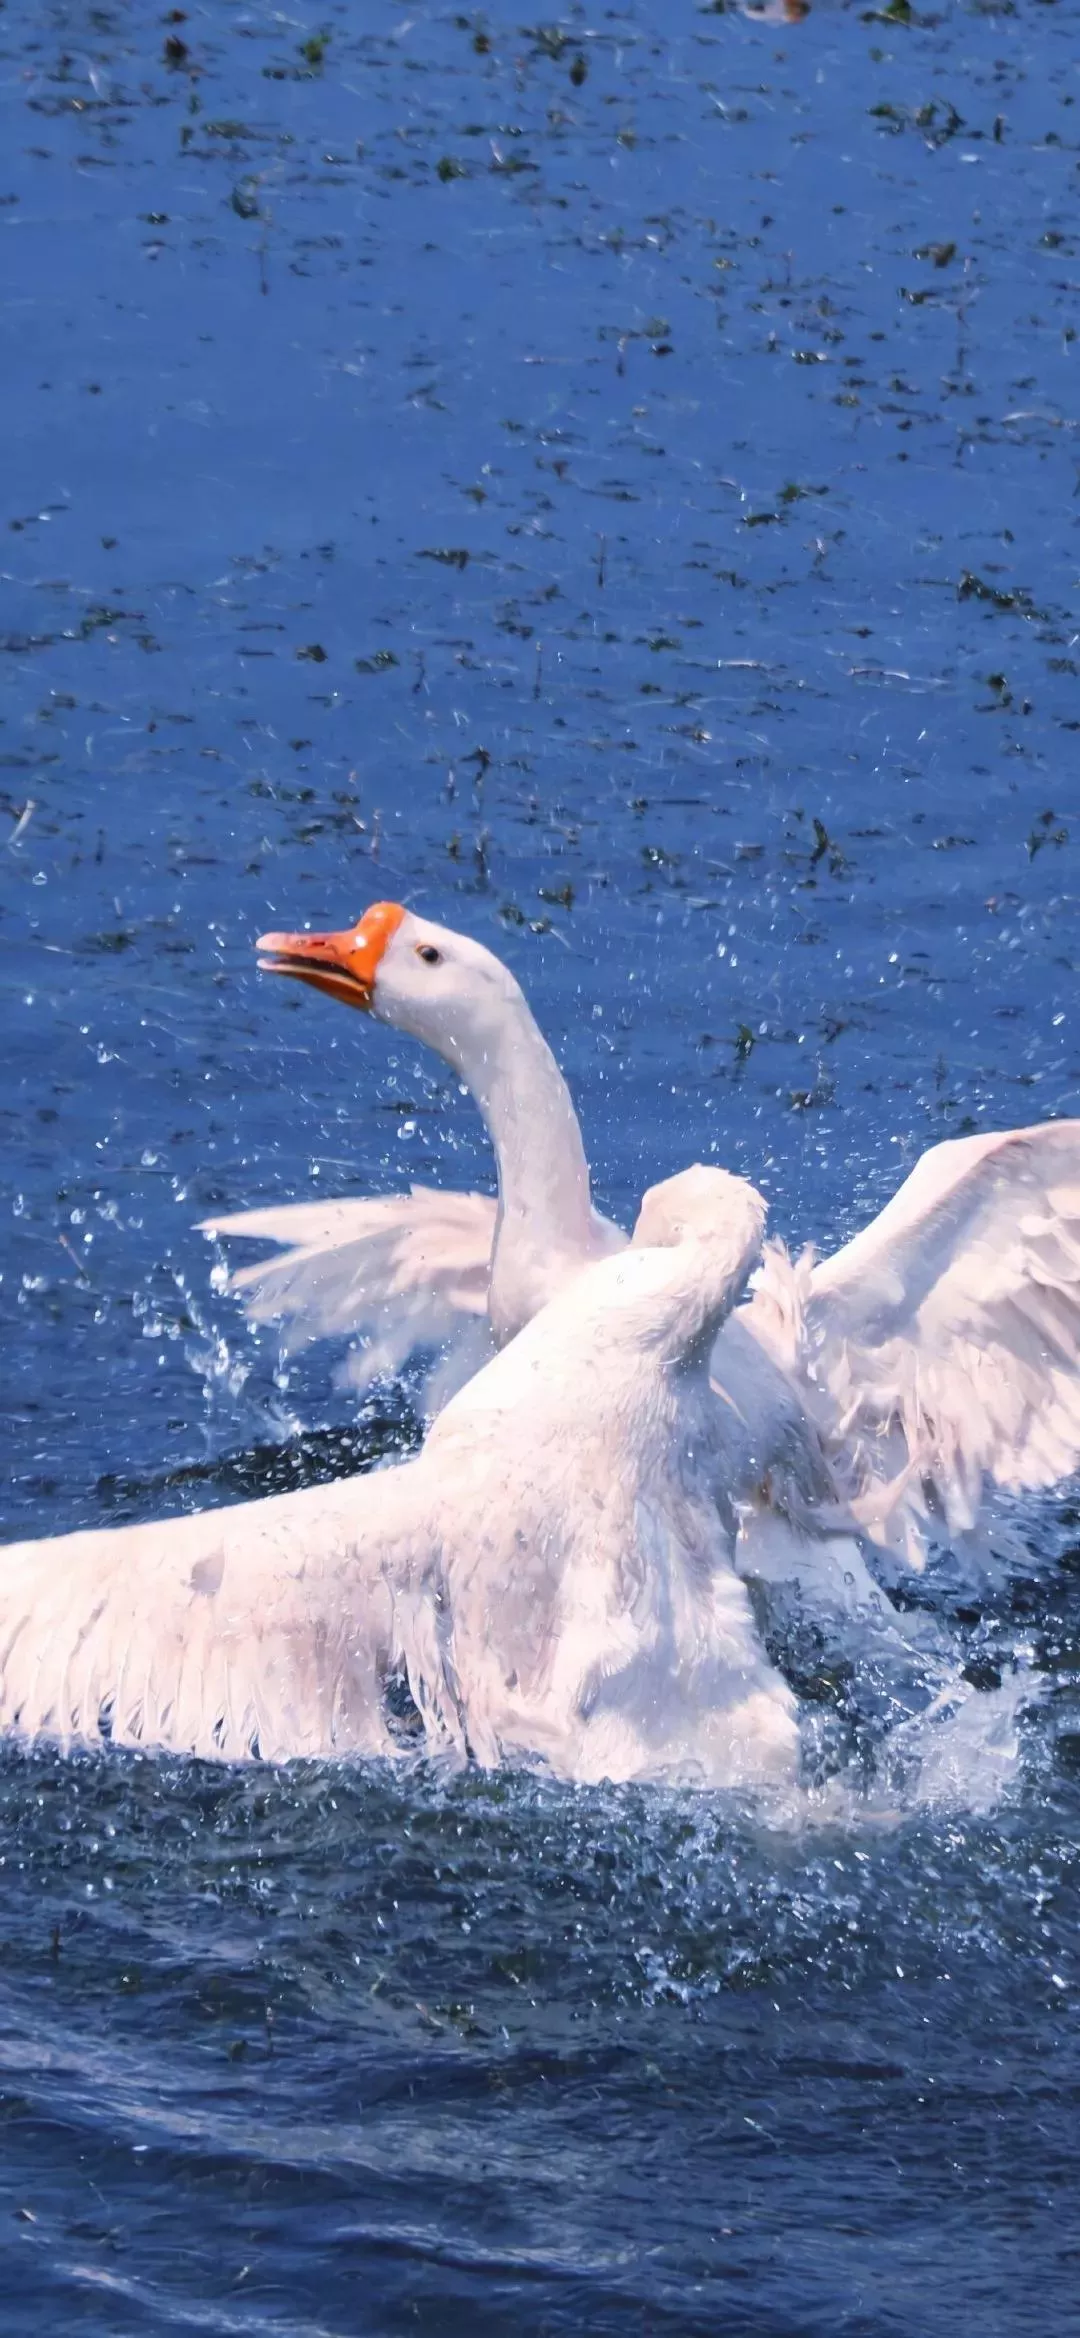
(885, 1392)
(551, 1575)
(463, 1273)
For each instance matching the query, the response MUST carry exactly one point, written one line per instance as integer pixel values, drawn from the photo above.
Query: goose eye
(430, 955)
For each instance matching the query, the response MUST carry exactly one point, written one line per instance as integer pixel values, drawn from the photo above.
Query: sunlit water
(611, 482)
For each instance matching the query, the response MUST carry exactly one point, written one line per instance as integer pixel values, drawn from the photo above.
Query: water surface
(612, 483)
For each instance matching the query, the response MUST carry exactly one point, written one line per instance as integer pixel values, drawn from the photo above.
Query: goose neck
(530, 1118)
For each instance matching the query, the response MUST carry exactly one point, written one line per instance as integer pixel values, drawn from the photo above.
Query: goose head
(457, 998)
(437, 986)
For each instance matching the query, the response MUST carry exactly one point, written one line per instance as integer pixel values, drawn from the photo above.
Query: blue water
(613, 484)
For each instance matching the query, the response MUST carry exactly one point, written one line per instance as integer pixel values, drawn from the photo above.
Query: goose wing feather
(399, 1272)
(947, 1334)
(263, 1629)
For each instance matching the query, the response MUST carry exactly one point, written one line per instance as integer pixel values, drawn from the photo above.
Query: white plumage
(262, 1626)
(946, 1336)
(398, 1273)
(885, 1391)
(551, 1575)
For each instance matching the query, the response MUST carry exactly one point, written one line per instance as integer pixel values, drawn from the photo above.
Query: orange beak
(344, 964)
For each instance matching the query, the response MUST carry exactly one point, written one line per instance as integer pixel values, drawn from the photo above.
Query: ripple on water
(605, 481)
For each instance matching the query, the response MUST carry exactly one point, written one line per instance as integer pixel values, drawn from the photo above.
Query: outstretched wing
(398, 1273)
(265, 1629)
(947, 1334)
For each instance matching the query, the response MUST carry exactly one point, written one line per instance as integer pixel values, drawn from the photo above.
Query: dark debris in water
(312, 1457)
(608, 481)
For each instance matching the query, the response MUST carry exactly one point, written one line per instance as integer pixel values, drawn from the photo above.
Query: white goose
(930, 1361)
(551, 1575)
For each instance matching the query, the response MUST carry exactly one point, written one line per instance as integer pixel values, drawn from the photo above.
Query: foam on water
(607, 482)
